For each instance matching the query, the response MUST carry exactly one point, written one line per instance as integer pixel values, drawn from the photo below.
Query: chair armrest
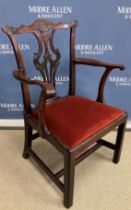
(93, 62)
(108, 68)
(47, 91)
(48, 88)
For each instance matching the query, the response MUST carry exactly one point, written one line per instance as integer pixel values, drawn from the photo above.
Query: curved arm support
(43, 130)
(47, 88)
(100, 97)
(109, 67)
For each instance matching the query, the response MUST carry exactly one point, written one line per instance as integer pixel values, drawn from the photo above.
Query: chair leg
(119, 142)
(69, 173)
(28, 139)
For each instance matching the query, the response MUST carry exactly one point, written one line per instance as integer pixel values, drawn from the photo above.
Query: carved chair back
(47, 56)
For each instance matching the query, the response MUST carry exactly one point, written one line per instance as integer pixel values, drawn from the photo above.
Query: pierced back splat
(44, 35)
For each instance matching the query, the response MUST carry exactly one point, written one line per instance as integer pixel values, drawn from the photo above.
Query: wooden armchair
(73, 124)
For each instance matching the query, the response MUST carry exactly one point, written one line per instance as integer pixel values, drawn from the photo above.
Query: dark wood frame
(44, 31)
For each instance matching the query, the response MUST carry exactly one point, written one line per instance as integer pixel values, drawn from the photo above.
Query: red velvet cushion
(73, 119)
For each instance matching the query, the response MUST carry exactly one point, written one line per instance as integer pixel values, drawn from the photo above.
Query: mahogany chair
(73, 124)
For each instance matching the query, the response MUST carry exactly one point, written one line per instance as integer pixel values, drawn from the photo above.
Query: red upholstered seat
(73, 119)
